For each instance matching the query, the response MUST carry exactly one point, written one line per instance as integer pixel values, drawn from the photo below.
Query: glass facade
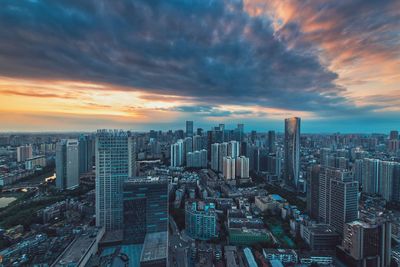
(145, 208)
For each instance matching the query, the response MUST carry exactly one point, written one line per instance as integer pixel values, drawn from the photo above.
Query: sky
(69, 65)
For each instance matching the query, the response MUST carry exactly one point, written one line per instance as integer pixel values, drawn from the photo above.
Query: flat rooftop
(77, 249)
(322, 229)
(155, 247)
(146, 180)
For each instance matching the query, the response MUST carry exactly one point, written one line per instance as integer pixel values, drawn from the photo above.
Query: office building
(271, 142)
(114, 152)
(201, 220)
(313, 189)
(145, 207)
(67, 164)
(343, 200)
(292, 151)
(320, 237)
(366, 244)
(229, 168)
(337, 197)
(189, 128)
(242, 167)
(24, 153)
(86, 153)
(239, 132)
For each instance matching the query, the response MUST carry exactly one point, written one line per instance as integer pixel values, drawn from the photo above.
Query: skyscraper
(189, 128)
(188, 147)
(233, 149)
(114, 152)
(370, 175)
(343, 200)
(86, 153)
(313, 191)
(240, 132)
(338, 197)
(223, 152)
(215, 157)
(292, 151)
(67, 164)
(387, 176)
(271, 142)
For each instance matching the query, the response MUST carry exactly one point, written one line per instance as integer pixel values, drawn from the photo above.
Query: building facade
(292, 151)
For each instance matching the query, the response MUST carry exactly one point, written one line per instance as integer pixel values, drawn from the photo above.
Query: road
(178, 246)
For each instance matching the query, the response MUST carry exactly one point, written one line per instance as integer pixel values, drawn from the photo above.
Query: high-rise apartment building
(201, 220)
(177, 154)
(24, 153)
(223, 152)
(380, 177)
(197, 159)
(229, 168)
(187, 147)
(242, 167)
(215, 157)
(114, 153)
(233, 149)
(67, 164)
(292, 151)
(370, 175)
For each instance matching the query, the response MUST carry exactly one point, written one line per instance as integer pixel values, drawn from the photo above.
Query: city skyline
(70, 66)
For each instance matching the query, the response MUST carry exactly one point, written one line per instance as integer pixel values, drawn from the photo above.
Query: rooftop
(155, 247)
(78, 248)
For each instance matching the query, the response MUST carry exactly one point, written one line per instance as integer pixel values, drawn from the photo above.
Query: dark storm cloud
(212, 51)
(349, 30)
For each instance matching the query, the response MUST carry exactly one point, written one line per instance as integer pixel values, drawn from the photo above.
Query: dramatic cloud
(211, 50)
(205, 57)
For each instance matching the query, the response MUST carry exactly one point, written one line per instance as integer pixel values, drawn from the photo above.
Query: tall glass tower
(292, 151)
(114, 153)
(189, 128)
